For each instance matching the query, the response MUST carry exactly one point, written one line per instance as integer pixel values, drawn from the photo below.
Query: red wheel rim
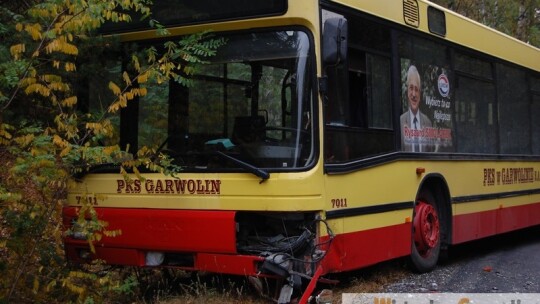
(426, 228)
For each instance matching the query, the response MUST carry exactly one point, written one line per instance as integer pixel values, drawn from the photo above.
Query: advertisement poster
(426, 120)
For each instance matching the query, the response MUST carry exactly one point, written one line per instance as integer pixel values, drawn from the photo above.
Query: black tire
(426, 233)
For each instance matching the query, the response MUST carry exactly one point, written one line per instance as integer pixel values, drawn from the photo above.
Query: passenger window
(476, 106)
(379, 100)
(514, 113)
(535, 127)
(359, 117)
(476, 127)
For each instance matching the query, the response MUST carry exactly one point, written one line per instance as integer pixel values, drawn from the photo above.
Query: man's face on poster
(414, 93)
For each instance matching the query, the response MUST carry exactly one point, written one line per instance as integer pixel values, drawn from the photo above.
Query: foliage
(517, 18)
(45, 139)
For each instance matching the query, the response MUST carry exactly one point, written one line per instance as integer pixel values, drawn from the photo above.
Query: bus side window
(535, 112)
(369, 91)
(359, 118)
(357, 89)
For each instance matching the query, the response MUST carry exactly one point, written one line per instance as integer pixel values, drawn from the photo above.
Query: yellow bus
(323, 136)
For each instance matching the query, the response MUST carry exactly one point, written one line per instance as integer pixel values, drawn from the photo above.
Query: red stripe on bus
(210, 237)
(167, 230)
(359, 249)
(229, 264)
(468, 227)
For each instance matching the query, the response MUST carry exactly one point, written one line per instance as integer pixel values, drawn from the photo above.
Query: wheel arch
(437, 185)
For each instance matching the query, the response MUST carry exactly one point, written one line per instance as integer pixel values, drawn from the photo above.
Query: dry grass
(178, 287)
(214, 289)
(373, 279)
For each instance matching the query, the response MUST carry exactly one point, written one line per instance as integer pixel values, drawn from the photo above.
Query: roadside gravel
(502, 264)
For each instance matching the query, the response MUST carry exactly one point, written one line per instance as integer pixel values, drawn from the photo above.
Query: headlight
(154, 258)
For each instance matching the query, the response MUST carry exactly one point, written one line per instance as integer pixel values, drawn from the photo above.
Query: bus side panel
(363, 248)
(468, 227)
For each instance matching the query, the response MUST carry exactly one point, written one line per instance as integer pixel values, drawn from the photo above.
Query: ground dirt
(508, 263)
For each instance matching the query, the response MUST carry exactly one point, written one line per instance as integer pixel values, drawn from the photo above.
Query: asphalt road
(508, 263)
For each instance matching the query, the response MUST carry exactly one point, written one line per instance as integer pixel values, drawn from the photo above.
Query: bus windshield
(250, 104)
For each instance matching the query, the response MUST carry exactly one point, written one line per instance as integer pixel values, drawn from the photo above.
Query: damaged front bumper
(285, 245)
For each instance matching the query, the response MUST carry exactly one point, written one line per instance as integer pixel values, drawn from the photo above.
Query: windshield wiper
(264, 175)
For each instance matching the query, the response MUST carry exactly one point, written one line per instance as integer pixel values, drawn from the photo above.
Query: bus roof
(459, 29)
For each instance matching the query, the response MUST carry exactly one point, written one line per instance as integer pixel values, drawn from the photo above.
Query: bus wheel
(426, 243)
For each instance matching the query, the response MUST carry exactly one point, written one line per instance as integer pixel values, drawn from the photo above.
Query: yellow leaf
(70, 101)
(70, 67)
(122, 101)
(70, 49)
(142, 78)
(28, 81)
(58, 86)
(60, 142)
(143, 91)
(114, 88)
(37, 88)
(24, 140)
(50, 78)
(126, 78)
(35, 289)
(65, 151)
(34, 30)
(51, 285)
(61, 45)
(92, 248)
(17, 49)
(136, 63)
(74, 288)
(52, 46)
(114, 107)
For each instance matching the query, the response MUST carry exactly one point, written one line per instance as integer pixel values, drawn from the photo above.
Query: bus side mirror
(335, 36)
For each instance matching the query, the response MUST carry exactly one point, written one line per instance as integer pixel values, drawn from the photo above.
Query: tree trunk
(522, 22)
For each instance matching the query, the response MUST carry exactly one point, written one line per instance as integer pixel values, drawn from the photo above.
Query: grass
(181, 287)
